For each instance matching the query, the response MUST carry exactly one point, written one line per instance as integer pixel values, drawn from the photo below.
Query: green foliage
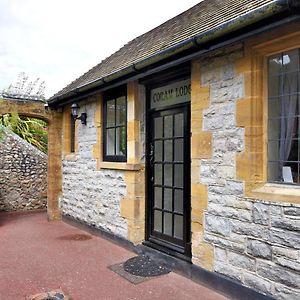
(1, 132)
(32, 130)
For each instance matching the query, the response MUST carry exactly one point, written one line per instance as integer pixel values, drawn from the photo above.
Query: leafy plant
(32, 130)
(1, 132)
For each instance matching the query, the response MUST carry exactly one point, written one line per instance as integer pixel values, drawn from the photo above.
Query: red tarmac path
(35, 257)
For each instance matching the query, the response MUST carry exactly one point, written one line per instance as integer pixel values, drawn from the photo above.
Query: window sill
(278, 193)
(120, 166)
(70, 157)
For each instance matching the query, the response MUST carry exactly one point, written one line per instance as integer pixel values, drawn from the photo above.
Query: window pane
(158, 197)
(178, 124)
(273, 172)
(275, 64)
(110, 113)
(168, 224)
(178, 201)
(110, 141)
(274, 108)
(290, 172)
(178, 150)
(168, 126)
(273, 151)
(121, 111)
(178, 227)
(274, 86)
(290, 60)
(158, 221)
(157, 128)
(121, 141)
(289, 92)
(158, 151)
(168, 199)
(274, 129)
(294, 153)
(178, 175)
(168, 175)
(158, 174)
(168, 150)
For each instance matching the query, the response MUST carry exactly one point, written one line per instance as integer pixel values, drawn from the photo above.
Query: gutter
(274, 8)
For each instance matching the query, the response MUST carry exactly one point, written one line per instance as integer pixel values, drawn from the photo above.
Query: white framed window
(284, 117)
(115, 125)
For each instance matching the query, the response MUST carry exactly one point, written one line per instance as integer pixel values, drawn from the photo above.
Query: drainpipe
(274, 8)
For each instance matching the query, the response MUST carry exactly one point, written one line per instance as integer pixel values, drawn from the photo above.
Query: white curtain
(288, 123)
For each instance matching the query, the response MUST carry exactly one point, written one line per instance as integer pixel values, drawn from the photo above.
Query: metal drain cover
(145, 267)
(53, 295)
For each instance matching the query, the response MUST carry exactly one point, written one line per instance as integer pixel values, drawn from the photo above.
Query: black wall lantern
(74, 111)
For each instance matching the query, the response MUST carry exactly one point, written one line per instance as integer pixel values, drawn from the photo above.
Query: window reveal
(115, 130)
(72, 141)
(284, 117)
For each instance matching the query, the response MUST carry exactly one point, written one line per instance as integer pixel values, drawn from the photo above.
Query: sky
(59, 40)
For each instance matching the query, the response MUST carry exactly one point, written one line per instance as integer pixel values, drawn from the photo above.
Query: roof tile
(204, 16)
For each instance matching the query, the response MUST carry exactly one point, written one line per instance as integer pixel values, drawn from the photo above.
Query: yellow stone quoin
(201, 148)
(97, 148)
(133, 204)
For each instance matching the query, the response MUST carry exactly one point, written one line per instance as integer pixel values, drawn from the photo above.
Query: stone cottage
(186, 140)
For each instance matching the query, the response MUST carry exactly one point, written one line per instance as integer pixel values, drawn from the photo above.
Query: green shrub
(32, 130)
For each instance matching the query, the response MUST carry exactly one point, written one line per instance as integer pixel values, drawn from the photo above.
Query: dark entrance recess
(168, 175)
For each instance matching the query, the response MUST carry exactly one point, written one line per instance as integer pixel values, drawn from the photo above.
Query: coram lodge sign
(174, 93)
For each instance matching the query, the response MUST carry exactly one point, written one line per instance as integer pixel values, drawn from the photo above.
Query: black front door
(169, 179)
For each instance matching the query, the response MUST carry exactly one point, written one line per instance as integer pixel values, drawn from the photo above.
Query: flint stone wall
(23, 175)
(256, 243)
(92, 195)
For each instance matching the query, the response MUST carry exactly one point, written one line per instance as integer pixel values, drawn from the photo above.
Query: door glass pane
(158, 128)
(110, 141)
(168, 199)
(168, 126)
(178, 227)
(158, 197)
(110, 116)
(178, 150)
(168, 150)
(168, 223)
(121, 140)
(158, 174)
(178, 201)
(168, 175)
(121, 111)
(178, 175)
(158, 220)
(158, 151)
(178, 125)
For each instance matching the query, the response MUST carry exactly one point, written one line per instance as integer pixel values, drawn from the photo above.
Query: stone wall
(91, 194)
(23, 175)
(250, 240)
(255, 242)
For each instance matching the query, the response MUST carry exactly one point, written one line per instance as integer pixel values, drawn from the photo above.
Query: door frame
(154, 83)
